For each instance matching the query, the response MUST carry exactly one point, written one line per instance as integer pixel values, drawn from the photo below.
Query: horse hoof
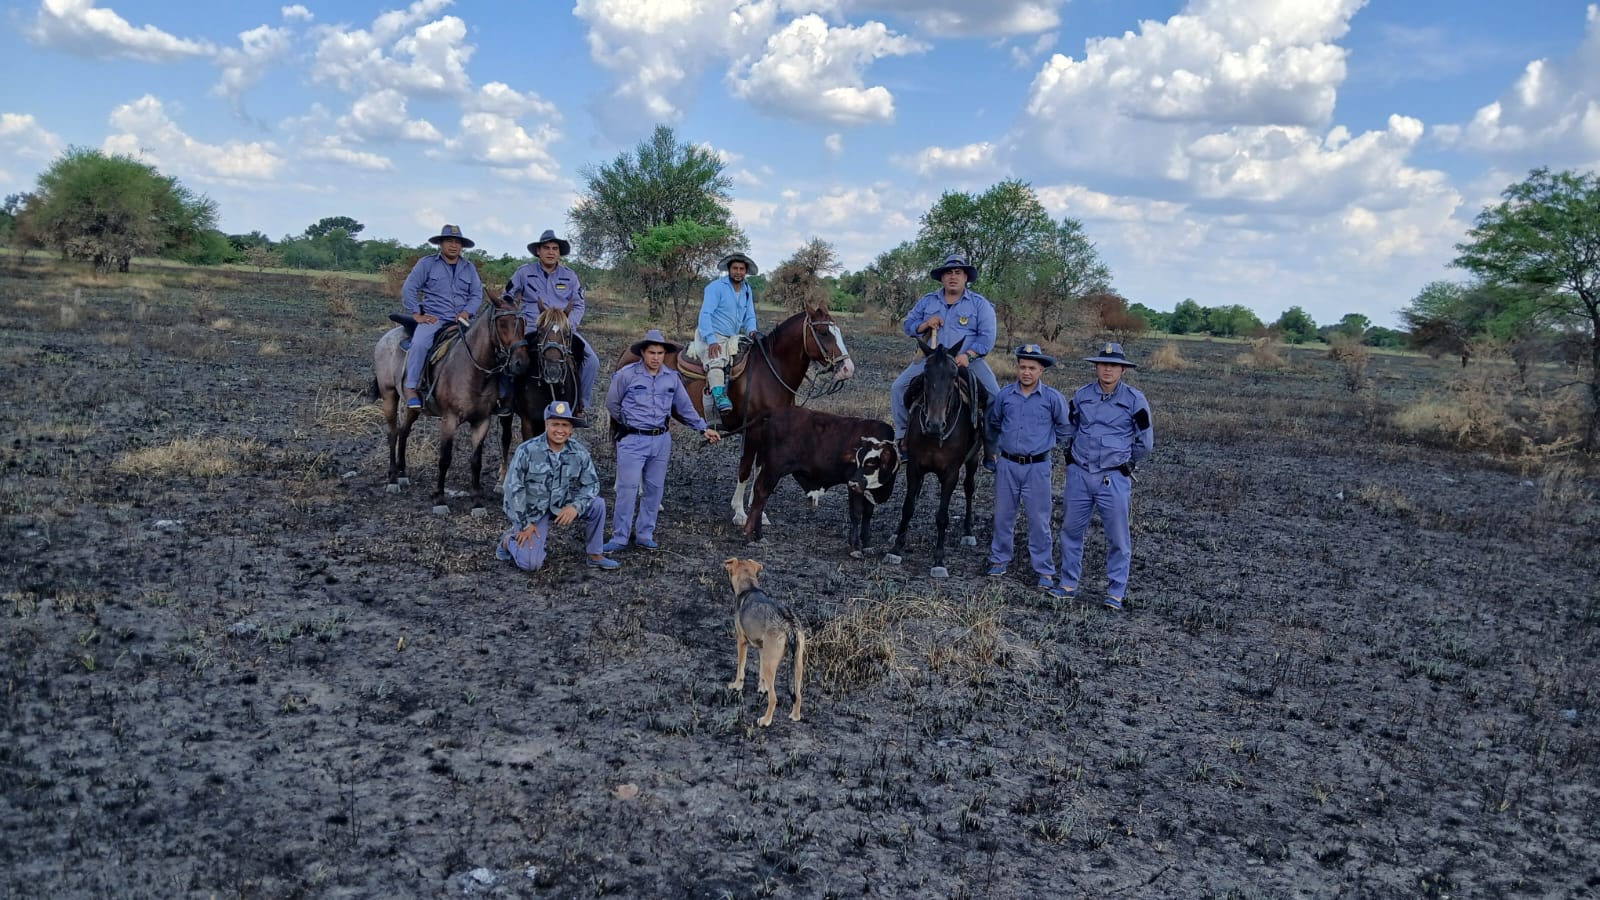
(740, 519)
(441, 510)
(892, 559)
(479, 512)
(405, 481)
(857, 554)
(939, 572)
(969, 541)
(392, 487)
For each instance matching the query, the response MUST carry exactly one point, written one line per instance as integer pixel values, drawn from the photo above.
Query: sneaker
(503, 411)
(413, 402)
(1062, 592)
(1046, 581)
(720, 396)
(1113, 602)
(600, 562)
(996, 569)
(647, 543)
(613, 545)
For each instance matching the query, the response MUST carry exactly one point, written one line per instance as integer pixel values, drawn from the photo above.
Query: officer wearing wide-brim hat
(548, 283)
(727, 315)
(642, 400)
(550, 482)
(1026, 421)
(441, 288)
(1111, 432)
(952, 314)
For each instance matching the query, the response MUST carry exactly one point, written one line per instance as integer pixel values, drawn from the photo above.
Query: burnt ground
(1352, 666)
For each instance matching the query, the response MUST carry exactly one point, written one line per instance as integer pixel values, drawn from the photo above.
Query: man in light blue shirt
(548, 284)
(727, 315)
(441, 288)
(954, 313)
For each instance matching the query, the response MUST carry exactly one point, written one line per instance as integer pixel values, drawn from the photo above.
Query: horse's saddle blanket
(691, 369)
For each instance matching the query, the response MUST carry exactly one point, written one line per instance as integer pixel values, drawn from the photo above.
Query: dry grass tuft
(1564, 488)
(222, 324)
(199, 457)
(1168, 358)
(1353, 358)
(116, 338)
(339, 291)
(270, 348)
(1263, 355)
(1385, 500)
(204, 307)
(68, 316)
(345, 414)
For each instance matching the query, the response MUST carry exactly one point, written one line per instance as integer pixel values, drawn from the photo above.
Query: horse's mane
(552, 316)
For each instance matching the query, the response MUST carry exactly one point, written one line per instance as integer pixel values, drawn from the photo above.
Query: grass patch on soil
(202, 457)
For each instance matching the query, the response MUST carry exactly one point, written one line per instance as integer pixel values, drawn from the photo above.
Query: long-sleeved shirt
(1110, 429)
(725, 312)
(442, 289)
(971, 318)
(641, 400)
(1029, 424)
(541, 290)
(540, 483)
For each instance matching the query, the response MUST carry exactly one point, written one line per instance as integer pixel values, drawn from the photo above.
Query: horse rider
(959, 314)
(441, 288)
(548, 284)
(552, 481)
(1111, 432)
(642, 398)
(1026, 420)
(727, 314)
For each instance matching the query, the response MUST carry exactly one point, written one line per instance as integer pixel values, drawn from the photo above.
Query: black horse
(552, 375)
(944, 435)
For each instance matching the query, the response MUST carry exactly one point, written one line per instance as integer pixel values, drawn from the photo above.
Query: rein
(828, 365)
(502, 354)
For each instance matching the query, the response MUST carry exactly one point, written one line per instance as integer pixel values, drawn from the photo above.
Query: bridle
(554, 371)
(950, 420)
(825, 360)
(502, 352)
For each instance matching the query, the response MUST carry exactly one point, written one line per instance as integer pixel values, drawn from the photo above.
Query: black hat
(738, 257)
(1032, 351)
(548, 236)
(955, 261)
(653, 336)
(451, 231)
(1111, 353)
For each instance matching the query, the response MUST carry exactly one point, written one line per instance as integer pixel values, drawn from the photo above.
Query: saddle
(692, 369)
(443, 341)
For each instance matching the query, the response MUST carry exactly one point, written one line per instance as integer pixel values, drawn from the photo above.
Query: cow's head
(876, 463)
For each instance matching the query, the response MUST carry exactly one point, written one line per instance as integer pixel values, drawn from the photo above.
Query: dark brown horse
(553, 375)
(943, 436)
(466, 385)
(773, 377)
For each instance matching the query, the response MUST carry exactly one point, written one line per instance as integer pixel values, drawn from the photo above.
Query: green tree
(660, 182)
(329, 223)
(1544, 240)
(672, 260)
(896, 279)
(1354, 325)
(107, 209)
(1296, 325)
(1158, 321)
(1188, 317)
(1388, 338)
(1233, 320)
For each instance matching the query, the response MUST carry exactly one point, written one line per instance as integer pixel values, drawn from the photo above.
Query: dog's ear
(729, 563)
(757, 568)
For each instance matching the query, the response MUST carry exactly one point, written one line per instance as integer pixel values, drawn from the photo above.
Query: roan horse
(466, 384)
(552, 375)
(943, 436)
(773, 376)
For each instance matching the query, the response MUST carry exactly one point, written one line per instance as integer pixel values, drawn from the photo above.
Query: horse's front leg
(914, 475)
(747, 457)
(447, 442)
(391, 407)
(401, 438)
(506, 424)
(480, 433)
(967, 540)
(947, 489)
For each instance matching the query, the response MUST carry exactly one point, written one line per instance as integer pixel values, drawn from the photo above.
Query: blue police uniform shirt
(970, 318)
(1029, 424)
(1110, 429)
(641, 400)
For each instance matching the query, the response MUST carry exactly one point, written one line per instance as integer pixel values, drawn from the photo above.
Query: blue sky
(1322, 153)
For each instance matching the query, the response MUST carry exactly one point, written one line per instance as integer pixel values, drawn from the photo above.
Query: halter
(555, 373)
(828, 363)
(502, 354)
(951, 421)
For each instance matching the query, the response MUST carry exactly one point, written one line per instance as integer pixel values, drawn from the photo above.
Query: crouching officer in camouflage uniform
(552, 481)
(1026, 421)
(1110, 434)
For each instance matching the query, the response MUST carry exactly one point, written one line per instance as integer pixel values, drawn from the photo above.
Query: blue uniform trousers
(1028, 487)
(417, 356)
(897, 394)
(532, 556)
(1109, 492)
(641, 462)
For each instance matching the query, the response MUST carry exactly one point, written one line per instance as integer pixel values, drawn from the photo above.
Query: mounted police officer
(954, 313)
(642, 398)
(441, 288)
(1027, 419)
(552, 481)
(548, 284)
(727, 315)
(1111, 432)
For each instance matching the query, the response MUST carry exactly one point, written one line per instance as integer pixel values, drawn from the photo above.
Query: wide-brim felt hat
(731, 258)
(548, 236)
(653, 336)
(1112, 353)
(561, 409)
(1035, 353)
(450, 231)
(955, 261)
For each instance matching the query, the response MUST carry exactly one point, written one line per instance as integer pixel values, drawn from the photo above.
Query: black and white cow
(822, 450)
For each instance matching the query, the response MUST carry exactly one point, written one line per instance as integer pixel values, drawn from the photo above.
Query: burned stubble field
(233, 666)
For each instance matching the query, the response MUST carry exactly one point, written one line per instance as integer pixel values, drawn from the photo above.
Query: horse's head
(553, 337)
(507, 325)
(941, 396)
(824, 344)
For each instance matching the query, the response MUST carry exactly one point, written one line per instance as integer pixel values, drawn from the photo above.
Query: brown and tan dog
(766, 624)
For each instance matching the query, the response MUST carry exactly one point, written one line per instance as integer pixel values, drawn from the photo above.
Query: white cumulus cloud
(497, 141)
(944, 18)
(811, 70)
(402, 50)
(381, 116)
(296, 13)
(244, 66)
(978, 159)
(144, 130)
(80, 27)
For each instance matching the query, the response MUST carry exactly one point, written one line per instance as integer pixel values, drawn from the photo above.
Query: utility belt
(1021, 460)
(647, 432)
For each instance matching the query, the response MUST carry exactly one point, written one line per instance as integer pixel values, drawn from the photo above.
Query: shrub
(337, 289)
(1262, 355)
(1168, 359)
(1352, 357)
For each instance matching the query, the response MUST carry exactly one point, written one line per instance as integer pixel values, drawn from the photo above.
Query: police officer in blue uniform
(1027, 419)
(1110, 433)
(954, 314)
